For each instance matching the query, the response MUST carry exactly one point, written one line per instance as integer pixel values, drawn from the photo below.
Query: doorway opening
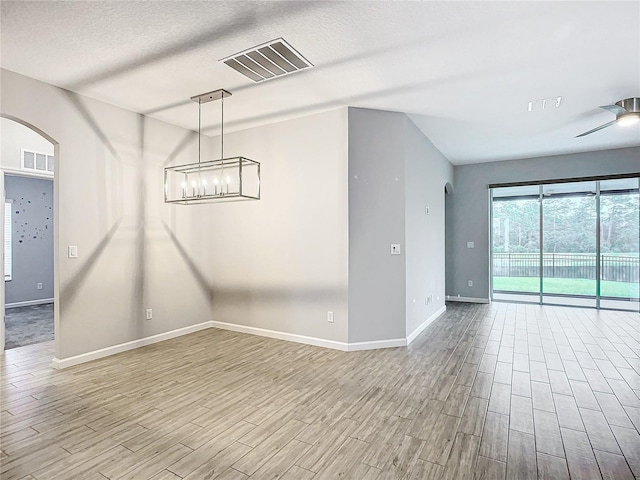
(27, 162)
(571, 243)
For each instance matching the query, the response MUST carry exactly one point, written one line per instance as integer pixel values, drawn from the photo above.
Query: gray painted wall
(468, 208)
(32, 238)
(377, 289)
(427, 172)
(394, 173)
(281, 263)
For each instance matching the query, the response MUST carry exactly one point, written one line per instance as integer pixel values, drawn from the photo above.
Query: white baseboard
(28, 303)
(467, 299)
(375, 344)
(291, 337)
(318, 342)
(123, 347)
(412, 336)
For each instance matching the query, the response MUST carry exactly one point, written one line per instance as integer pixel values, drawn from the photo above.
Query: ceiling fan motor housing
(631, 112)
(631, 105)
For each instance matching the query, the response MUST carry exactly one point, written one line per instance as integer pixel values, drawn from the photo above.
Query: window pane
(569, 235)
(29, 160)
(41, 161)
(516, 246)
(619, 244)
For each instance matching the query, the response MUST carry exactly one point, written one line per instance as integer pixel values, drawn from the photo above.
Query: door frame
(56, 284)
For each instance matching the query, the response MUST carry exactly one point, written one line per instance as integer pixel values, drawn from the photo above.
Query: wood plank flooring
(499, 391)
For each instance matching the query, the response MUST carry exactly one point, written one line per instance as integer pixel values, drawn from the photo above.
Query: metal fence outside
(567, 265)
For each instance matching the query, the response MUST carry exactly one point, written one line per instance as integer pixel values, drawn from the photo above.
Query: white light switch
(426, 210)
(73, 251)
(395, 249)
(470, 245)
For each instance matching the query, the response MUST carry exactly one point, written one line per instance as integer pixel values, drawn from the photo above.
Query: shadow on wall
(70, 290)
(197, 274)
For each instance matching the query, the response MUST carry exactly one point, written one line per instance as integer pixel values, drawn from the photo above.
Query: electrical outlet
(149, 313)
(470, 245)
(39, 286)
(330, 317)
(470, 283)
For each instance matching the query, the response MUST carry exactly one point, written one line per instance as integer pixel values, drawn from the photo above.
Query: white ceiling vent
(269, 60)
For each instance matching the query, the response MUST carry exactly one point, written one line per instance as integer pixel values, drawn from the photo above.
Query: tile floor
(499, 391)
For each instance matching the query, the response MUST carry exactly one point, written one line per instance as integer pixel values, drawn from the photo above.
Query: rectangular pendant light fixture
(212, 181)
(267, 61)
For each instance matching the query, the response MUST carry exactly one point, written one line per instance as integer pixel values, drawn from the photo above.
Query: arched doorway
(28, 301)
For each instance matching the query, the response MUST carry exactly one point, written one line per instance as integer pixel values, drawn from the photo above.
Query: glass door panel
(516, 244)
(619, 244)
(569, 244)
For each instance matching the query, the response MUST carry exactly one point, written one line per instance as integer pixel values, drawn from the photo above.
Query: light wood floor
(488, 392)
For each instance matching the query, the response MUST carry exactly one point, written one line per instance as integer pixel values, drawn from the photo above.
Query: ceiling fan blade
(615, 109)
(596, 129)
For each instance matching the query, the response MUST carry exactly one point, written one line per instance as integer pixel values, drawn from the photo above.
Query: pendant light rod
(222, 128)
(199, 130)
(219, 94)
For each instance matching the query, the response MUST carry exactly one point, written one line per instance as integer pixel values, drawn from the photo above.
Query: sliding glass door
(573, 243)
(619, 243)
(516, 243)
(569, 243)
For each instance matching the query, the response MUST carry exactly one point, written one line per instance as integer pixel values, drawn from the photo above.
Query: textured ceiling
(463, 71)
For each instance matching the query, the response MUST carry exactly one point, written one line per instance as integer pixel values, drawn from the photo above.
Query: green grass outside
(569, 286)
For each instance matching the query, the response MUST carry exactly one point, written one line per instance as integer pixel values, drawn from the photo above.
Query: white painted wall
(281, 263)
(14, 137)
(108, 185)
